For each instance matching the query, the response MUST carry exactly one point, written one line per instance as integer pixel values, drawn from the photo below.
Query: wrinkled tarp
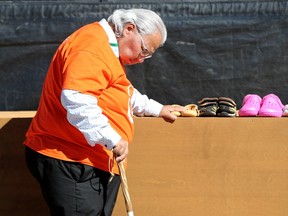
(213, 49)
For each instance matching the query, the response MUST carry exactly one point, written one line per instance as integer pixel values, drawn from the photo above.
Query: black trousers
(72, 189)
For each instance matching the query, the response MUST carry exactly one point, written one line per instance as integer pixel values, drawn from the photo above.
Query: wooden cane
(124, 186)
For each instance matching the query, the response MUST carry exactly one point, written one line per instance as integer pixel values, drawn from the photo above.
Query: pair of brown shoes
(222, 107)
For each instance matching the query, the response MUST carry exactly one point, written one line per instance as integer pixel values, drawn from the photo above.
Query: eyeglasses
(145, 53)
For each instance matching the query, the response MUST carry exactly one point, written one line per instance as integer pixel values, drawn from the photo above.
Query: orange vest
(86, 63)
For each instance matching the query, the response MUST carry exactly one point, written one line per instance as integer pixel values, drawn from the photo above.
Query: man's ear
(129, 28)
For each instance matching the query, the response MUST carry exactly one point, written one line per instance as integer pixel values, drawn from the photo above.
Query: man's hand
(120, 150)
(167, 112)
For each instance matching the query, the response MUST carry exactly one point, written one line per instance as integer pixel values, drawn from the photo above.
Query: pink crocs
(251, 105)
(285, 111)
(271, 106)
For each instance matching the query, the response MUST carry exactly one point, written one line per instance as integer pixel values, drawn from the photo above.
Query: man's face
(134, 48)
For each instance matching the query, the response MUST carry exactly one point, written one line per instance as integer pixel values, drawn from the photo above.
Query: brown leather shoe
(208, 107)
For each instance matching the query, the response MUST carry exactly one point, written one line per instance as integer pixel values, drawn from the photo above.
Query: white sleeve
(84, 114)
(143, 106)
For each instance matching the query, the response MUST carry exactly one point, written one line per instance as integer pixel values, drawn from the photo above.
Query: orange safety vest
(86, 63)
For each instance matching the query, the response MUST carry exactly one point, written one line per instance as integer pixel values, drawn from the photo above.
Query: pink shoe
(251, 105)
(271, 106)
(285, 111)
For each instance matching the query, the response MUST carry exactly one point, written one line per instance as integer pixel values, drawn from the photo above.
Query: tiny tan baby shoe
(192, 111)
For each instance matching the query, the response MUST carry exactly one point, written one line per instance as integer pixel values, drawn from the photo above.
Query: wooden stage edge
(17, 114)
(6, 116)
(195, 166)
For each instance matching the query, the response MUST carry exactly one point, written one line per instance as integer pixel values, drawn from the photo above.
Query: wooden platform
(196, 166)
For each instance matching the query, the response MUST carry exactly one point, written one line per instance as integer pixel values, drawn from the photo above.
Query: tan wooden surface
(6, 116)
(196, 166)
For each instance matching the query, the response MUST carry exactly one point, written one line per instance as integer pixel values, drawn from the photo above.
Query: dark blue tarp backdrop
(216, 48)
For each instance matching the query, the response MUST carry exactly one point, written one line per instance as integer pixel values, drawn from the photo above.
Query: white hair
(146, 21)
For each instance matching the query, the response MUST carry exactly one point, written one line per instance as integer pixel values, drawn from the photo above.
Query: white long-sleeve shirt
(84, 113)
